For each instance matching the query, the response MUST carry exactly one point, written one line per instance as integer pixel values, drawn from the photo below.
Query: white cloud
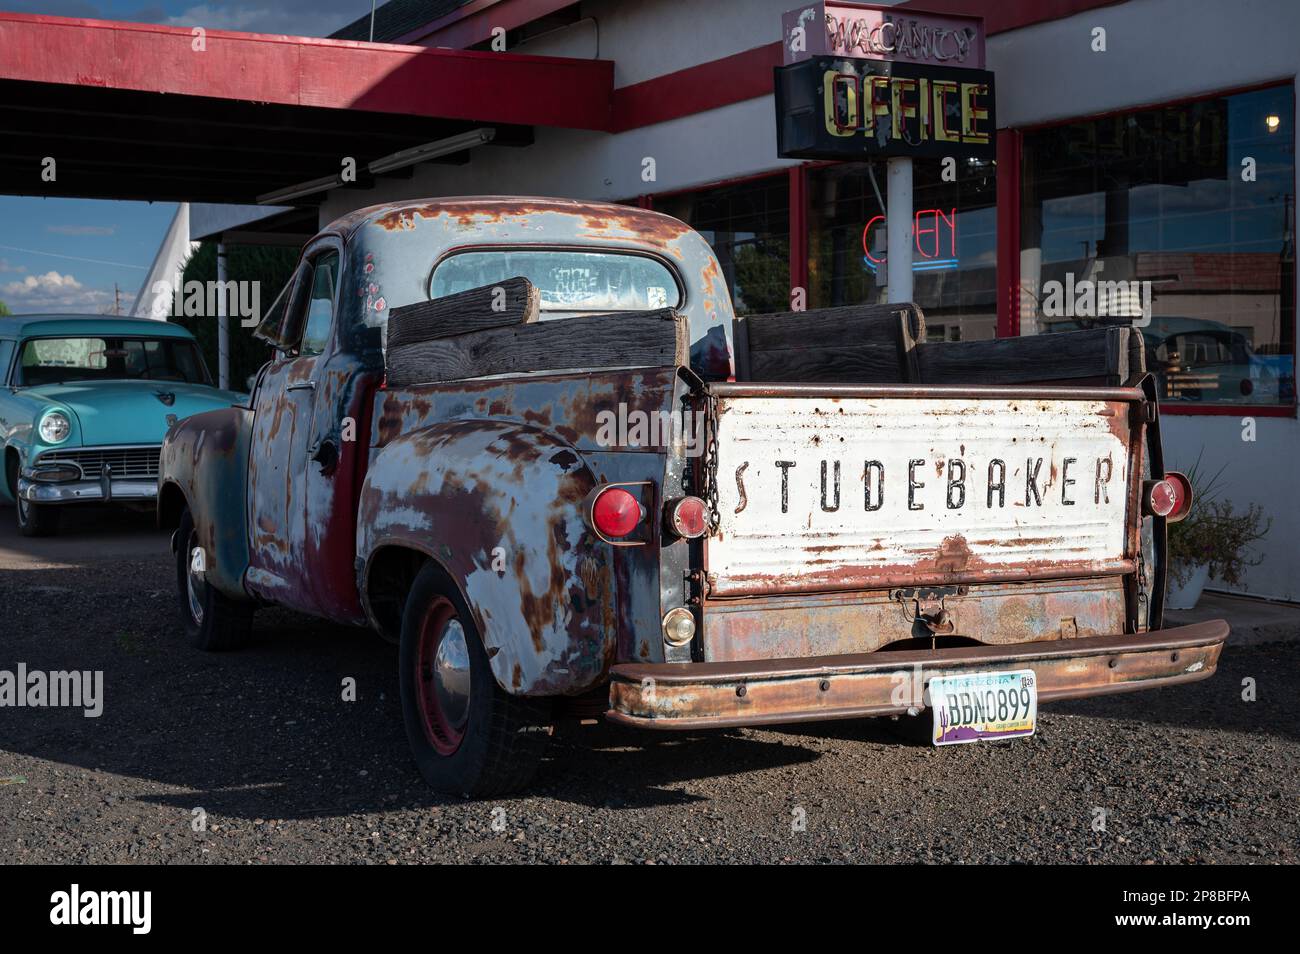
(53, 292)
(50, 281)
(7, 266)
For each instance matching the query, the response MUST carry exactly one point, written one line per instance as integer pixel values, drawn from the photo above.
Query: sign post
(863, 82)
(898, 230)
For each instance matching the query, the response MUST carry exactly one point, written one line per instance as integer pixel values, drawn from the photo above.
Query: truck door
(283, 436)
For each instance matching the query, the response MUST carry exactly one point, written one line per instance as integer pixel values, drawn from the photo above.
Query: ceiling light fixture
(431, 150)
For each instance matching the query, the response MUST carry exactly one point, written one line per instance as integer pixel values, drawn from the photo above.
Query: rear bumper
(755, 692)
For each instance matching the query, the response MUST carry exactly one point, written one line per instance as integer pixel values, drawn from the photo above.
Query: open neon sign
(935, 235)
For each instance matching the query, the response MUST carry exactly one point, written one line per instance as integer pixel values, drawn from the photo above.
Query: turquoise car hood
(130, 412)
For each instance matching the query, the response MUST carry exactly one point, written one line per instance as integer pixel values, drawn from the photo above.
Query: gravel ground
(286, 771)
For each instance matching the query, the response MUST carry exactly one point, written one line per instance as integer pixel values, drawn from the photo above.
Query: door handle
(302, 386)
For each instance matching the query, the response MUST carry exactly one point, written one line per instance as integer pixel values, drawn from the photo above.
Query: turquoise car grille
(129, 462)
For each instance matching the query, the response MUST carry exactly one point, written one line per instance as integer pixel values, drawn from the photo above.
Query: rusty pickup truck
(527, 441)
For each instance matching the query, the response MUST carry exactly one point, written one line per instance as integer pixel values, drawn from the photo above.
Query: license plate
(977, 706)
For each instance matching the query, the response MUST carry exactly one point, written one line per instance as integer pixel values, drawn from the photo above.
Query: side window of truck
(6, 356)
(274, 326)
(320, 306)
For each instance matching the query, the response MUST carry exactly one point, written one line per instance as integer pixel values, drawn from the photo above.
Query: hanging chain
(1144, 610)
(711, 463)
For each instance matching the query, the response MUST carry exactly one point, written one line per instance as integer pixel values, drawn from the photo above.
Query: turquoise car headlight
(55, 427)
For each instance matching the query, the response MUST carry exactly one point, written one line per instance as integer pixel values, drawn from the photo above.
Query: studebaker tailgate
(823, 487)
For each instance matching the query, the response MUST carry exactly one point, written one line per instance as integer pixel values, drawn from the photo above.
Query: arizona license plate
(975, 706)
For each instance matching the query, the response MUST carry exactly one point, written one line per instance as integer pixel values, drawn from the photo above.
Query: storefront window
(748, 225)
(955, 255)
(1180, 220)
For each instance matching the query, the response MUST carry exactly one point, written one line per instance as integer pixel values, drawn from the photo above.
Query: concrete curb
(1254, 622)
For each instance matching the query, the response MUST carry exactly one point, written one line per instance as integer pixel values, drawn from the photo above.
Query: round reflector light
(688, 517)
(1163, 498)
(615, 512)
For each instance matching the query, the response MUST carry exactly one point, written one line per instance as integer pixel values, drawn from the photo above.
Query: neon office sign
(935, 234)
(831, 108)
(863, 81)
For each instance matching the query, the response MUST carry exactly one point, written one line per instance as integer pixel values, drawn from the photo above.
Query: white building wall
(649, 38)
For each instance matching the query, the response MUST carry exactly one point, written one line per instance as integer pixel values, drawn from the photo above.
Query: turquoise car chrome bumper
(79, 491)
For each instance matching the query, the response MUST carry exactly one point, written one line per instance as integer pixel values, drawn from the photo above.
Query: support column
(223, 322)
(899, 216)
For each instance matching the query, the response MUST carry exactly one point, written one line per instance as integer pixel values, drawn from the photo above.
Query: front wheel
(213, 621)
(468, 736)
(34, 520)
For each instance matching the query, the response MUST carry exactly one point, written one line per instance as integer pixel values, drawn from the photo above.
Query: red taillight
(1170, 497)
(615, 512)
(1183, 495)
(687, 517)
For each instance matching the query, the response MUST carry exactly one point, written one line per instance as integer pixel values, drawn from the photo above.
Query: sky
(67, 254)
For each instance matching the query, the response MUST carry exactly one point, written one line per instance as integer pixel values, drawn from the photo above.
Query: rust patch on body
(954, 555)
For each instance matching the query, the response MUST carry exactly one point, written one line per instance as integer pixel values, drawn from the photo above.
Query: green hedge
(271, 267)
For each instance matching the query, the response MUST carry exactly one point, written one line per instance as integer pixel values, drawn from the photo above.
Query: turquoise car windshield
(62, 360)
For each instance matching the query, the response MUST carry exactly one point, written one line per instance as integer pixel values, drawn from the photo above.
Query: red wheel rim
(442, 676)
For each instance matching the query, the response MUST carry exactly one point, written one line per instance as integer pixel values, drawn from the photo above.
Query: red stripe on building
(732, 79)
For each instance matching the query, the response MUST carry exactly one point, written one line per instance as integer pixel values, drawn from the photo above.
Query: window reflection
(1180, 220)
(748, 225)
(955, 254)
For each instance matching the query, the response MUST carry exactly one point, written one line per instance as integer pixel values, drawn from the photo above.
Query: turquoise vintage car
(85, 404)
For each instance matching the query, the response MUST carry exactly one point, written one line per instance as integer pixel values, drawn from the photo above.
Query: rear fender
(499, 506)
(205, 461)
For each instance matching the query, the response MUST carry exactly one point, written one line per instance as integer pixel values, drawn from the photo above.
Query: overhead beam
(483, 87)
(109, 144)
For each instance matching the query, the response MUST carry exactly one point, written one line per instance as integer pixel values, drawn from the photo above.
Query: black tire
(498, 746)
(34, 520)
(213, 621)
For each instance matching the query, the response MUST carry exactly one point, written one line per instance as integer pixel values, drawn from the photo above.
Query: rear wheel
(468, 736)
(213, 621)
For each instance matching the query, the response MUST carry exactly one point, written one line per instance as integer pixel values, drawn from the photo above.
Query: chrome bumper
(758, 692)
(82, 491)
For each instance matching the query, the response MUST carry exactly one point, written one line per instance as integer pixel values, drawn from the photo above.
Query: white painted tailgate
(783, 529)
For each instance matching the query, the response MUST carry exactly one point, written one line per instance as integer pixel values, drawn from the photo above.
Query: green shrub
(271, 266)
(1214, 533)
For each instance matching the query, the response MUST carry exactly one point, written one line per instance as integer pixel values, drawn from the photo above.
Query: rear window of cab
(569, 280)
